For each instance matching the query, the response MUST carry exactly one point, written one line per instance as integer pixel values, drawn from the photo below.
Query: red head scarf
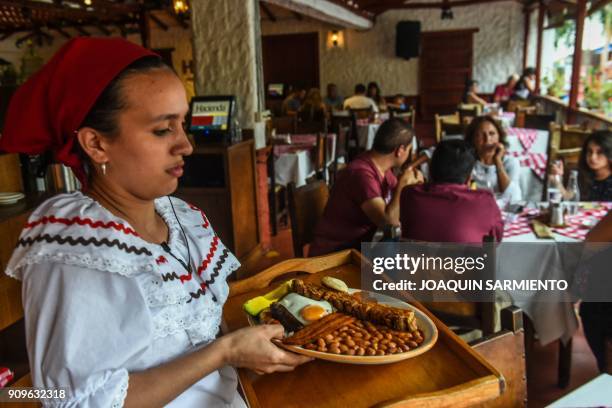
(45, 112)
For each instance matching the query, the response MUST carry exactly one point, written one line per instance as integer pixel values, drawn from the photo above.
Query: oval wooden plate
(424, 323)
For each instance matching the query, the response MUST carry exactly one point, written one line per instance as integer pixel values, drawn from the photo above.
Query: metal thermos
(556, 215)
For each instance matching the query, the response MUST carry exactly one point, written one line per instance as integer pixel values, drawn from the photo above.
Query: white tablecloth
(293, 167)
(297, 166)
(365, 135)
(553, 318)
(595, 393)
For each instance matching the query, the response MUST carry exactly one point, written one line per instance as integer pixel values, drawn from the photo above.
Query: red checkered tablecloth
(6, 376)
(535, 161)
(520, 225)
(527, 137)
(576, 224)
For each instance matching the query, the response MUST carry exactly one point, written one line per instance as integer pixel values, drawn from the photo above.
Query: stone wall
(370, 55)
(224, 52)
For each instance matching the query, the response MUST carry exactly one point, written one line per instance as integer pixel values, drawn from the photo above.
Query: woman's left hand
(500, 151)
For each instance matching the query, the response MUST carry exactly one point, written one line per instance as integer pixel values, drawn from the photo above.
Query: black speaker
(407, 39)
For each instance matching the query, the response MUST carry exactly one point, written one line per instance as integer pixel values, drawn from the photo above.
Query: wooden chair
(277, 197)
(357, 114)
(366, 113)
(447, 125)
(469, 316)
(342, 151)
(311, 126)
(468, 111)
(407, 117)
(513, 105)
(505, 350)
(533, 120)
(565, 140)
(306, 206)
(320, 156)
(284, 124)
(564, 143)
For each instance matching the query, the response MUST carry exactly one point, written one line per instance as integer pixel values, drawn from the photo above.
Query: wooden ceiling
(41, 20)
(373, 8)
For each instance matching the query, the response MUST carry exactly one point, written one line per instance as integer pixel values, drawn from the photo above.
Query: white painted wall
(533, 39)
(370, 55)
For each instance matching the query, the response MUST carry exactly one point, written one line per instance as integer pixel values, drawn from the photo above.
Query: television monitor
(276, 90)
(211, 117)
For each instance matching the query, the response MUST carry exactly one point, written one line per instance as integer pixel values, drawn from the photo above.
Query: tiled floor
(542, 388)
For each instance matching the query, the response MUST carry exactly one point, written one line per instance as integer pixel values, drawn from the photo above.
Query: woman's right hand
(252, 348)
(556, 168)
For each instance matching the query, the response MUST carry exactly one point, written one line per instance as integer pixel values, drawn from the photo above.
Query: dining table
(294, 155)
(524, 256)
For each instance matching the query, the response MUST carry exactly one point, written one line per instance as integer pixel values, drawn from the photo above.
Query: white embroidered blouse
(101, 302)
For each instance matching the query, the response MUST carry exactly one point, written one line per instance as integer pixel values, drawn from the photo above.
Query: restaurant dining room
(306, 203)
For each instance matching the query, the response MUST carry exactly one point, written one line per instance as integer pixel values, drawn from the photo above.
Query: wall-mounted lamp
(180, 6)
(335, 39)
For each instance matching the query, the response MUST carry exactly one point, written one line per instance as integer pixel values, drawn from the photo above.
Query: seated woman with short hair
(494, 169)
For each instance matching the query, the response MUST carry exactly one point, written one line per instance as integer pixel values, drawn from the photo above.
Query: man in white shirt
(360, 100)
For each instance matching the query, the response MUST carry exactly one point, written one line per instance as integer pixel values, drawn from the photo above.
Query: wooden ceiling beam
(6, 35)
(103, 29)
(26, 37)
(60, 30)
(597, 5)
(82, 31)
(267, 11)
(297, 15)
(158, 22)
(178, 19)
(380, 7)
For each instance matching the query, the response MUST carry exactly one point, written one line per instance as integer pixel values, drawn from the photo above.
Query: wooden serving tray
(451, 374)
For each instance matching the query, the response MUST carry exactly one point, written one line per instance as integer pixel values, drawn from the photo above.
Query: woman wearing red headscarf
(123, 286)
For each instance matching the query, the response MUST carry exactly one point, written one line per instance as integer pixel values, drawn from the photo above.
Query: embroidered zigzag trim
(213, 276)
(199, 293)
(83, 222)
(169, 276)
(217, 267)
(194, 208)
(82, 241)
(187, 276)
(209, 256)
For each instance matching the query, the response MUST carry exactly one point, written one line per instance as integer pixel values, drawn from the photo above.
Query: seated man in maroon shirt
(366, 193)
(446, 210)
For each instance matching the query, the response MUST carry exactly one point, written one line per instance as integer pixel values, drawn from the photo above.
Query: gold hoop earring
(103, 168)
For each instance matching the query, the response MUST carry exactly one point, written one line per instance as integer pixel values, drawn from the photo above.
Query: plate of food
(336, 323)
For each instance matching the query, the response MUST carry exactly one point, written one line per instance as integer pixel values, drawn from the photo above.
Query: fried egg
(304, 309)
